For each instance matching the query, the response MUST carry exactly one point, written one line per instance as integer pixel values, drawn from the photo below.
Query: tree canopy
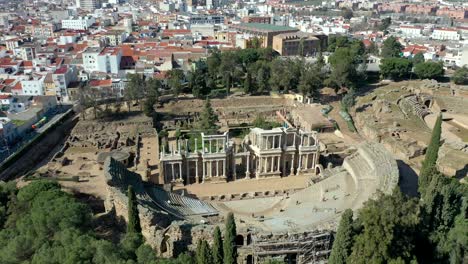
(461, 76)
(229, 248)
(395, 68)
(44, 225)
(391, 48)
(208, 118)
(429, 70)
(343, 239)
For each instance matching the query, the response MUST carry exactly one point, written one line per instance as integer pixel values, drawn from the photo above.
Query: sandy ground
(246, 186)
(92, 180)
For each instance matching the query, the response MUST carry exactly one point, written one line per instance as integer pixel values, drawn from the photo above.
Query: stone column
(283, 173)
(187, 181)
(172, 169)
(224, 168)
(210, 169)
(307, 161)
(247, 172)
(272, 161)
(204, 170)
(209, 151)
(180, 170)
(291, 173)
(234, 172)
(217, 168)
(196, 172)
(278, 164)
(299, 164)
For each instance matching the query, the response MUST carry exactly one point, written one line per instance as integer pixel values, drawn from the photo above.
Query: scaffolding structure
(301, 248)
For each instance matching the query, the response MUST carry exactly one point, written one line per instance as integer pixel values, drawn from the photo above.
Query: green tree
(203, 254)
(311, 81)
(248, 83)
(7, 191)
(343, 239)
(429, 70)
(347, 13)
(373, 49)
(148, 107)
(348, 100)
(386, 22)
(229, 246)
(213, 62)
(175, 79)
(145, 255)
(152, 87)
(430, 159)
(208, 118)
(133, 216)
(395, 68)
(134, 88)
(418, 58)
(218, 255)
(344, 63)
(391, 48)
(460, 76)
(388, 227)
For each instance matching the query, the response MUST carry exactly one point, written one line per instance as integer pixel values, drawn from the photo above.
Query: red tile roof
(97, 83)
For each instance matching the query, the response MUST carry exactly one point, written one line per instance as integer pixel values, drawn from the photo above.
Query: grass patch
(18, 122)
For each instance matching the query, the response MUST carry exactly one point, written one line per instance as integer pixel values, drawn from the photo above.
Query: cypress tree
(208, 117)
(430, 159)
(217, 247)
(343, 240)
(248, 83)
(203, 254)
(133, 218)
(230, 250)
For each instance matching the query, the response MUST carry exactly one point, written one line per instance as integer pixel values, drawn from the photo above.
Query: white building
(25, 52)
(411, 31)
(89, 5)
(102, 60)
(33, 85)
(78, 23)
(445, 34)
(68, 38)
(62, 77)
(90, 59)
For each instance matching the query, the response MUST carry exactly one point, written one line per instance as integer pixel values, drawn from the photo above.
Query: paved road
(53, 117)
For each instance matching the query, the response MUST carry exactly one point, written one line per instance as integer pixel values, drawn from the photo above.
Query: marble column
(299, 164)
(196, 172)
(172, 169)
(291, 173)
(272, 161)
(234, 172)
(247, 172)
(187, 179)
(278, 163)
(204, 170)
(217, 168)
(180, 171)
(224, 168)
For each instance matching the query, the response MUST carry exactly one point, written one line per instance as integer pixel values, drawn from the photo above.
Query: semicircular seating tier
(153, 197)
